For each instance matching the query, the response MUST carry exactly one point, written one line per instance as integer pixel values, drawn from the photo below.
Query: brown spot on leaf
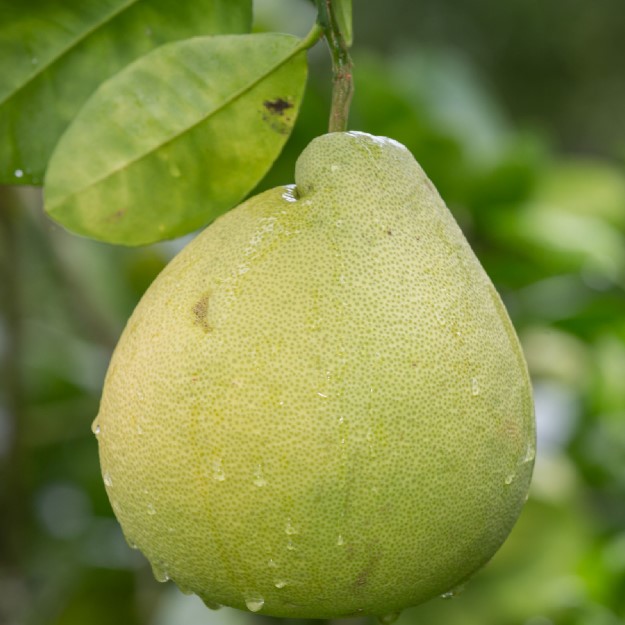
(117, 215)
(277, 106)
(200, 313)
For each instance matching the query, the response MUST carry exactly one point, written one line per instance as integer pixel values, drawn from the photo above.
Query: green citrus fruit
(320, 407)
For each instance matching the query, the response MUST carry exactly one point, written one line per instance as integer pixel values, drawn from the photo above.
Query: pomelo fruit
(320, 407)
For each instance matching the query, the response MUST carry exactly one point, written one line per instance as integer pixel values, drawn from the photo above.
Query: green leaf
(176, 138)
(56, 53)
(343, 14)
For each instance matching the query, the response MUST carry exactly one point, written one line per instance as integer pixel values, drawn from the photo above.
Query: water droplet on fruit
(447, 595)
(280, 583)
(388, 619)
(259, 479)
(475, 387)
(290, 529)
(151, 509)
(95, 428)
(184, 590)
(18, 173)
(254, 602)
(509, 479)
(218, 471)
(340, 540)
(290, 546)
(530, 454)
(290, 193)
(212, 605)
(160, 574)
(272, 563)
(108, 481)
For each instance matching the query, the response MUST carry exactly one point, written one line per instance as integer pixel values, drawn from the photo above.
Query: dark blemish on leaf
(200, 313)
(117, 215)
(277, 106)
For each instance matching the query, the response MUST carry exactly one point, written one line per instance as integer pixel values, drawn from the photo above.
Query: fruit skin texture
(320, 407)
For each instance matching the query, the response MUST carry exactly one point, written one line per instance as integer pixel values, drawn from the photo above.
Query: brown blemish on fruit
(200, 313)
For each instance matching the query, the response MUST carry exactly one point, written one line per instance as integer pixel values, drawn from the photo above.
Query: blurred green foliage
(503, 106)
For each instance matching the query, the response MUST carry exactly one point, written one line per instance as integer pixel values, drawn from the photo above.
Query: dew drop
(340, 540)
(212, 605)
(254, 603)
(18, 173)
(475, 387)
(530, 454)
(290, 528)
(388, 619)
(290, 546)
(151, 509)
(160, 574)
(259, 479)
(290, 193)
(322, 395)
(131, 543)
(184, 590)
(280, 583)
(272, 563)
(218, 471)
(108, 481)
(454, 592)
(95, 428)
(509, 479)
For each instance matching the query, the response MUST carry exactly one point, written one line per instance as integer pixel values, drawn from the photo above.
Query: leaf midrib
(63, 51)
(158, 146)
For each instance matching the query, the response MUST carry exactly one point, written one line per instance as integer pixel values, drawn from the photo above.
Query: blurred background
(516, 110)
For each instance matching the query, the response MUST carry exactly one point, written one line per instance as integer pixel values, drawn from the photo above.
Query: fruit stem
(338, 41)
